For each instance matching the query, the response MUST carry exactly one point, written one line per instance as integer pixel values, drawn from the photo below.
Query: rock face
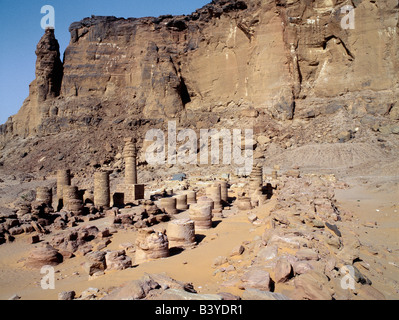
(44, 89)
(262, 60)
(49, 69)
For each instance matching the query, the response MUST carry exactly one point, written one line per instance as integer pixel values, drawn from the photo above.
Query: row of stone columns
(69, 198)
(172, 205)
(102, 194)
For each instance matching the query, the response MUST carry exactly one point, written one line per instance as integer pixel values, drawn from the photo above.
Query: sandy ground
(375, 205)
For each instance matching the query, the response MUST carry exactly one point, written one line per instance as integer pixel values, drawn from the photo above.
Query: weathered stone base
(132, 192)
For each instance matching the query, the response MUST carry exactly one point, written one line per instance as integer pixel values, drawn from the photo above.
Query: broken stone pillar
(214, 192)
(44, 195)
(181, 233)
(202, 216)
(244, 203)
(256, 178)
(150, 245)
(75, 206)
(191, 197)
(181, 202)
(224, 192)
(71, 200)
(132, 191)
(63, 179)
(130, 156)
(258, 198)
(117, 260)
(169, 205)
(274, 175)
(102, 195)
(70, 193)
(206, 201)
(150, 208)
(42, 206)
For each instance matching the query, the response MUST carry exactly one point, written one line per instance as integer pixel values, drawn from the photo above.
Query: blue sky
(21, 31)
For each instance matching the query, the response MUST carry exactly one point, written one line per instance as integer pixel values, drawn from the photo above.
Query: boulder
(367, 292)
(344, 136)
(43, 256)
(312, 286)
(237, 251)
(133, 290)
(282, 270)
(66, 295)
(267, 253)
(257, 279)
(117, 260)
(307, 254)
(301, 267)
(95, 262)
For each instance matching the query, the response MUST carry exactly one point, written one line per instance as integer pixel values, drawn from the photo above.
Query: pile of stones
(306, 250)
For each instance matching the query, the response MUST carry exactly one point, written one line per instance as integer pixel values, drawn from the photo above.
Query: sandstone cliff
(263, 62)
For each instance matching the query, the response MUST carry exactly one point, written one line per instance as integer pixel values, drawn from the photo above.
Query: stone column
(181, 233)
(201, 214)
(70, 193)
(244, 203)
(258, 198)
(206, 201)
(191, 197)
(214, 192)
(63, 179)
(169, 205)
(130, 156)
(274, 175)
(224, 191)
(71, 200)
(181, 202)
(102, 195)
(151, 245)
(256, 178)
(44, 195)
(150, 208)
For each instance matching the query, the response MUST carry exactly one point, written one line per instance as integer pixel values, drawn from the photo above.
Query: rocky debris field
(307, 246)
(306, 250)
